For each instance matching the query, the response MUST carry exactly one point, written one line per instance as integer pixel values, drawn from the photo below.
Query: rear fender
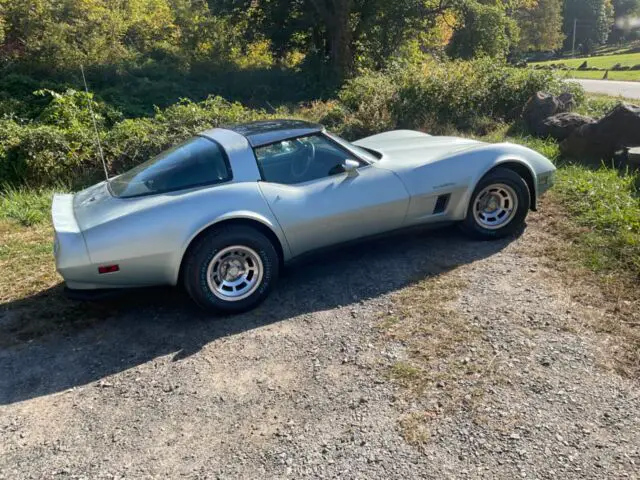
(236, 215)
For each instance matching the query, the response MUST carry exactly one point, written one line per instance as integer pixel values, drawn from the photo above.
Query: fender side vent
(441, 203)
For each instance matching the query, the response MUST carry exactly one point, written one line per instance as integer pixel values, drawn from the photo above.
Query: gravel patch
(300, 388)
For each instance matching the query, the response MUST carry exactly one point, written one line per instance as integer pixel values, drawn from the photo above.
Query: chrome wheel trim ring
(235, 273)
(495, 206)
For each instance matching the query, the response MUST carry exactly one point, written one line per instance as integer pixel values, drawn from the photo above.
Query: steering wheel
(301, 163)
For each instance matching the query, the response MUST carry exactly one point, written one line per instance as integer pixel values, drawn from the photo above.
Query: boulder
(620, 128)
(538, 108)
(542, 106)
(567, 102)
(561, 125)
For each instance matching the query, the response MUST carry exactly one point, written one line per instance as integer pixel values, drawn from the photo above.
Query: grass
(26, 243)
(606, 203)
(599, 61)
(602, 62)
(623, 76)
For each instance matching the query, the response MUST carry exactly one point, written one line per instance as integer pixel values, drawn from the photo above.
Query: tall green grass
(24, 206)
(606, 202)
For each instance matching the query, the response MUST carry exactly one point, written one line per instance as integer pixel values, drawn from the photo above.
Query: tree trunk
(335, 14)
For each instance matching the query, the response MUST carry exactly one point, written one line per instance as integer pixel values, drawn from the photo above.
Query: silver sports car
(222, 212)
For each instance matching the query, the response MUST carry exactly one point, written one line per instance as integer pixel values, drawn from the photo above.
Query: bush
(58, 147)
(454, 93)
(372, 98)
(61, 148)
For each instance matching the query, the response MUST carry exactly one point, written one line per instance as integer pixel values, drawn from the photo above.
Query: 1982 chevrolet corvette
(222, 212)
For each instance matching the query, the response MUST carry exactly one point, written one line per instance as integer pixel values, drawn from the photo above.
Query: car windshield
(365, 154)
(196, 162)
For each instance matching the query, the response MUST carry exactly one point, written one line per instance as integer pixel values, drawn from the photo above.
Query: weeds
(24, 206)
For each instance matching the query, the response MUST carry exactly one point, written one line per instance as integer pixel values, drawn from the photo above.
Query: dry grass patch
(26, 260)
(450, 365)
(559, 246)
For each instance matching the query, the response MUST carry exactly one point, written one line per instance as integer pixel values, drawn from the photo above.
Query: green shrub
(454, 93)
(61, 148)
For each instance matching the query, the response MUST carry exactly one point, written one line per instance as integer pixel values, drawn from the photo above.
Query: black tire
(504, 176)
(201, 255)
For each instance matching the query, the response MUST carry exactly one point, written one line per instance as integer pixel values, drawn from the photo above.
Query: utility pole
(573, 48)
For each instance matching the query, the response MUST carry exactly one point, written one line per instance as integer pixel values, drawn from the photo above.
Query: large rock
(601, 140)
(542, 106)
(561, 125)
(537, 109)
(567, 102)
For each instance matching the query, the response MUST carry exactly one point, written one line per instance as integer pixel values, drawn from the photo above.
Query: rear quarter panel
(148, 244)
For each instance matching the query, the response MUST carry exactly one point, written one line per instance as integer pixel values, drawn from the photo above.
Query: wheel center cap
(232, 270)
(491, 205)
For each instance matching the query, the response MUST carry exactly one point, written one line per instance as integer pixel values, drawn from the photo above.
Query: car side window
(301, 160)
(196, 162)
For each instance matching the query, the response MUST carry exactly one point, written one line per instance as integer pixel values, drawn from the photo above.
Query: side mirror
(350, 167)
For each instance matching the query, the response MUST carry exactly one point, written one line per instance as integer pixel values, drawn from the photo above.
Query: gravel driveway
(300, 388)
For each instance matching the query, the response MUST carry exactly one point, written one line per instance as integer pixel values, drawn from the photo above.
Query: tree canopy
(593, 20)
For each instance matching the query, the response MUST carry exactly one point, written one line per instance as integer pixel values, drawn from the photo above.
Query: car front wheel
(231, 269)
(499, 205)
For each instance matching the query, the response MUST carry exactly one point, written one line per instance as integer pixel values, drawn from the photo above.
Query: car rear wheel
(231, 269)
(499, 205)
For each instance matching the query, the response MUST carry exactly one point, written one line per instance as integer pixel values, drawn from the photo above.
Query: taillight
(108, 269)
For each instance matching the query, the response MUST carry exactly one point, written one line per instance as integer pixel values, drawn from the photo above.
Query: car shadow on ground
(94, 340)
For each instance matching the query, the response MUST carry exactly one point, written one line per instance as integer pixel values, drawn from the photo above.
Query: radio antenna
(95, 125)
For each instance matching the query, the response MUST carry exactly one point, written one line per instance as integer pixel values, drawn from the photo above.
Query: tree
(593, 18)
(485, 30)
(338, 33)
(541, 26)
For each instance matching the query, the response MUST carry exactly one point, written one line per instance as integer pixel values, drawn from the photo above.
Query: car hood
(409, 149)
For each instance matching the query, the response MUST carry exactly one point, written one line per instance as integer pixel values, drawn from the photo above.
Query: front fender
(493, 156)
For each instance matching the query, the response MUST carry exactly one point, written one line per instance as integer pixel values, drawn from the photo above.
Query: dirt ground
(526, 386)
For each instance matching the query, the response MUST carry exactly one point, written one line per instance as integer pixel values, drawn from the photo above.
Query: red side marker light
(108, 269)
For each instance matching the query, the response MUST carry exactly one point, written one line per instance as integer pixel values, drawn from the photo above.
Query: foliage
(60, 148)
(338, 36)
(594, 19)
(444, 93)
(486, 30)
(58, 145)
(371, 98)
(541, 27)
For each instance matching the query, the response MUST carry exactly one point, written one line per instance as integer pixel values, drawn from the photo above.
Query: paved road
(611, 87)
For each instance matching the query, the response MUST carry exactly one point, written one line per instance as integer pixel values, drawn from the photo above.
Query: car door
(317, 203)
